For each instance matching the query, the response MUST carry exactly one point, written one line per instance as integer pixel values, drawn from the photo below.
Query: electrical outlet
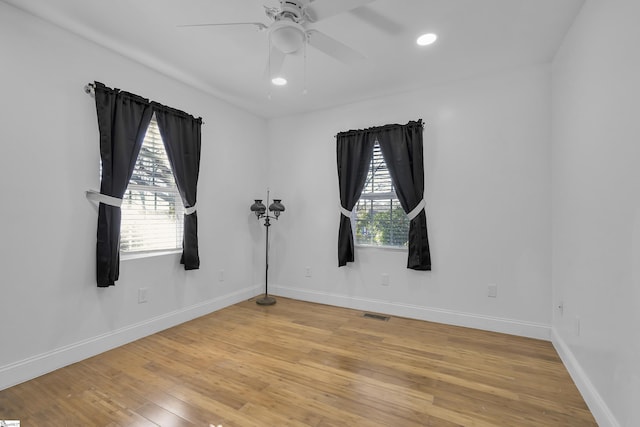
(221, 276)
(307, 272)
(385, 279)
(143, 295)
(492, 290)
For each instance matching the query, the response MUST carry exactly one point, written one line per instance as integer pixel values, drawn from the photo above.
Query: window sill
(126, 256)
(384, 248)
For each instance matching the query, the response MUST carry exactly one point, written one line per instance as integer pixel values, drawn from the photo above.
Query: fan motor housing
(292, 10)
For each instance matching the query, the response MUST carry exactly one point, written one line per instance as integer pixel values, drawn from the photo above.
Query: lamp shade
(287, 36)
(258, 208)
(276, 207)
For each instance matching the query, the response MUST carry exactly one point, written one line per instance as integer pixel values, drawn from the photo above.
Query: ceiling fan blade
(376, 19)
(260, 25)
(274, 64)
(333, 47)
(321, 9)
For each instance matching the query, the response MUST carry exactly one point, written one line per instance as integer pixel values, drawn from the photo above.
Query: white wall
(487, 179)
(52, 312)
(596, 207)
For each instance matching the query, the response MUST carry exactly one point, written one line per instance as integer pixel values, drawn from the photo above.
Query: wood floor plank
(302, 364)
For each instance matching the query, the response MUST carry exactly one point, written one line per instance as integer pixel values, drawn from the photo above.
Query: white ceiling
(475, 37)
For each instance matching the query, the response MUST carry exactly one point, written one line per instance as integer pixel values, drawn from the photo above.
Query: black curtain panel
(354, 152)
(123, 119)
(181, 136)
(401, 147)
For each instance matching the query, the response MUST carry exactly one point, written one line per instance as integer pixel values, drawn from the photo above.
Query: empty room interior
(493, 282)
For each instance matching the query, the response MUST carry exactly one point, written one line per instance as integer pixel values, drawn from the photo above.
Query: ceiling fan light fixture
(426, 39)
(279, 81)
(287, 36)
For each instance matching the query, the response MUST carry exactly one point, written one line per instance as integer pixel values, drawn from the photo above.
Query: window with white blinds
(378, 216)
(152, 211)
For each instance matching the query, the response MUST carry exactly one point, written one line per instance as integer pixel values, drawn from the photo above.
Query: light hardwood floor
(303, 364)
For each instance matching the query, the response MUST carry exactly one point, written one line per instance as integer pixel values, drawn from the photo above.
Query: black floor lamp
(261, 212)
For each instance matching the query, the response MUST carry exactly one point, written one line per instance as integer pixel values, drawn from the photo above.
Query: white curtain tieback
(345, 212)
(190, 210)
(96, 196)
(414, 213)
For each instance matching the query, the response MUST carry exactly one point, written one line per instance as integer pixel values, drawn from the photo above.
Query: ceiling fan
(289, 30)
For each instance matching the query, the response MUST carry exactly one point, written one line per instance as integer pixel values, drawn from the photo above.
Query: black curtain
(354, 152)
(123, 119)
(401, 147)
(181, 136)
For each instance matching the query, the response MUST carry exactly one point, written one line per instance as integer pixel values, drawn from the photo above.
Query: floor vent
(376, 316)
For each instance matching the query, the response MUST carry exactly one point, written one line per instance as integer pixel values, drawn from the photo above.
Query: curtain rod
(378, 128)
(89, 89)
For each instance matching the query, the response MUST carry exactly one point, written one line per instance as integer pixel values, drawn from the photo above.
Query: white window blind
(378, 216)
(152, 210)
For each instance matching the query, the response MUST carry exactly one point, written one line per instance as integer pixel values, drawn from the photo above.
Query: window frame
(172, 189)
(370, 197)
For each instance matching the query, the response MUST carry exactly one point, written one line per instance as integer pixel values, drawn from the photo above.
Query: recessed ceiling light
(426, 39)
(279, 81)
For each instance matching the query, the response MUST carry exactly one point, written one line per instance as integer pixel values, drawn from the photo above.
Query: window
(152, 210)
(378, 216)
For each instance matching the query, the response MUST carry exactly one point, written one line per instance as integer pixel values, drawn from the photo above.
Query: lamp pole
(261, 212)
(266, 300)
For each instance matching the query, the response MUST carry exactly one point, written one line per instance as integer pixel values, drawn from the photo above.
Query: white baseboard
(450, 317)
(601, 412)
(35, 366)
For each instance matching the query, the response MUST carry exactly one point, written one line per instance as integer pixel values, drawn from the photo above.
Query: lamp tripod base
(266, 300)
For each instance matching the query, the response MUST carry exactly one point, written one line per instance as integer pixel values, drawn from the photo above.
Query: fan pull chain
(269, 66)
(304, 90)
